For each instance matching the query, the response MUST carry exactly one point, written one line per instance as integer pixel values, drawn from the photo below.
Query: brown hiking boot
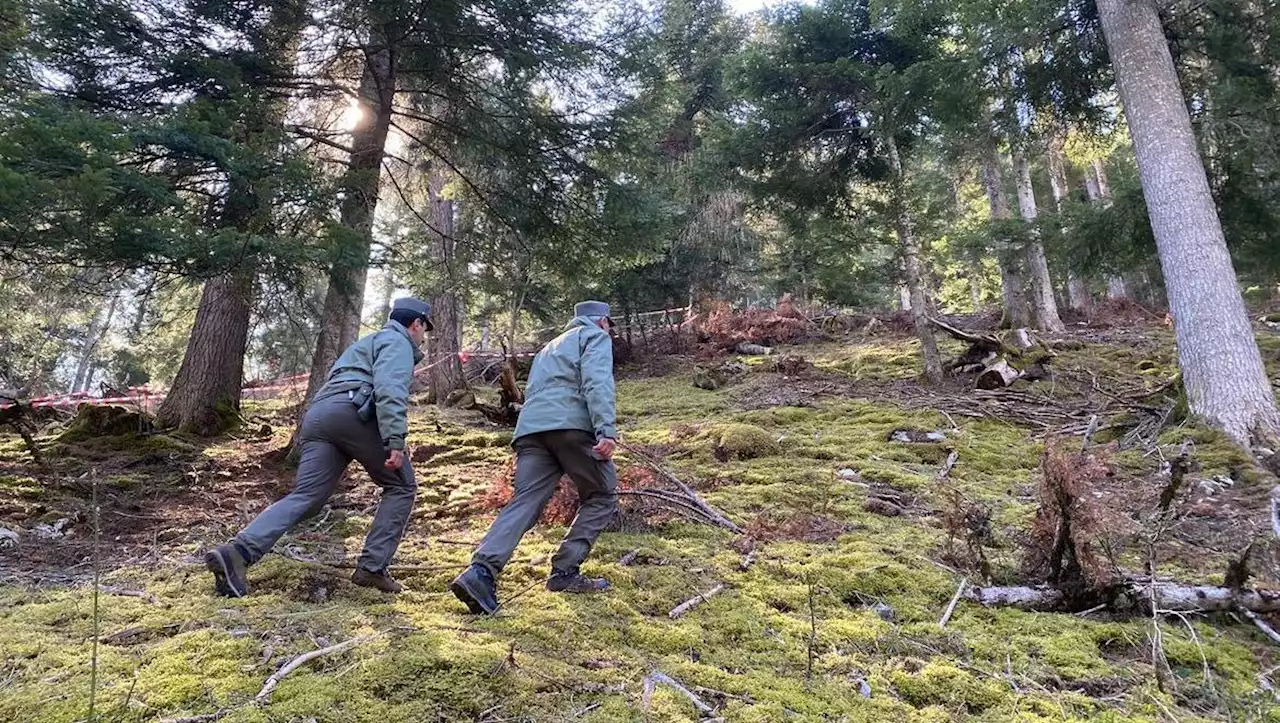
(376, 580)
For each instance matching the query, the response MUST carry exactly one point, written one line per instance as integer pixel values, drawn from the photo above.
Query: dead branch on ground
(651, 683)
(694, 601)
(685, 497)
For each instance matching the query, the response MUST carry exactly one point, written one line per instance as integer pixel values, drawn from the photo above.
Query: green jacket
(383, 361)
(571, 384)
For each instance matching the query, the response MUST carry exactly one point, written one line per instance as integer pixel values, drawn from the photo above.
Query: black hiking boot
(575, 582)
(376, 580)
(228, 567)
(475, 588)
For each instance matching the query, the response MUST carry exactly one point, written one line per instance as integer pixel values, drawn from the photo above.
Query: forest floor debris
(771, 645)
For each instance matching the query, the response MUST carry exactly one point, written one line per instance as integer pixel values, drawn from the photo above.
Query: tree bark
(1043, 306)
(205, 396)
(909, 245)
(343, 301)
(1222, 370)
(206, 393)
(1017, 313)
(446, 370)
(1078, 296)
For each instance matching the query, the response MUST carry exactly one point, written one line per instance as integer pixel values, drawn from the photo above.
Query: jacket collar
(393, 325)
(580, 321)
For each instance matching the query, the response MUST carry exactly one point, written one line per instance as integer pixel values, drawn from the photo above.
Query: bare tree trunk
(98, 327)
(340, 319)
(1078, 296)
(1044, 307)
(206, 393)
(205, 396)
(909, 244)
(1099, 191)
(1017, 313)
(446, 370)
(1222, 370)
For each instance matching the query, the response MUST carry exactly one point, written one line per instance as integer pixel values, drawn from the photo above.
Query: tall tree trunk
(1078, 296)
(343, 301)
(446, 370)
(1098, 189)
(1222, 370)
(909, 245)
(1043, 306)
(1017, 312)
(98, 327)
(205, 396)
(206, 393)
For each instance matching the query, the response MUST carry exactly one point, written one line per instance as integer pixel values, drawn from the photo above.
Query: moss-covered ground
(836, 620)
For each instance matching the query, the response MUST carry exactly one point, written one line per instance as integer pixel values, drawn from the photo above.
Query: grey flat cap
(417, 306)
(591, 308)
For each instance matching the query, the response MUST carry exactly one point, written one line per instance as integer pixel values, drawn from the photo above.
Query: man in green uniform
(360, 413)
(567, 426)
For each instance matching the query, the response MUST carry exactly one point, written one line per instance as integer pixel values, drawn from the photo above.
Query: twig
(513, 598)
(1089, 432)
(97, 620)
(685, 489)
(948, 465)
(1092, 610)
(651, 681)
(695, 601)
(629, 558)
(584, 711)
(1275, 510)
(747, 561)
(951, 607)
(134, 593)
(1266, 629)
(813, 634)
(265, 694)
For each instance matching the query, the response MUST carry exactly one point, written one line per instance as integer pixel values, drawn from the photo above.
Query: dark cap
(416, 306)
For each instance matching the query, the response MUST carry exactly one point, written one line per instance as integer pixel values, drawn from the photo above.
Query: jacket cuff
(607, 433)
(393, 443)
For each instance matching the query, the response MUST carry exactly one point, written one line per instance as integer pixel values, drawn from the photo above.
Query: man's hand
(395, 459)
(604, 448)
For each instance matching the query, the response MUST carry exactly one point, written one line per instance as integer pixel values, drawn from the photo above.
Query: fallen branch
(947, 466)
(264, 695)
(747, 561)
(693, 602)
(1166, 595)
(651, 682)
(951, 607)
(1275, 511)
(1266, 629)
(686, 492)
(143, 594)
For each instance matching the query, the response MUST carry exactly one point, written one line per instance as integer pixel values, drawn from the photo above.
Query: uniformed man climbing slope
(566, 427)
(360, 413)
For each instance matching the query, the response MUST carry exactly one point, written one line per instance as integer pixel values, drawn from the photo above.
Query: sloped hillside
(828, 607)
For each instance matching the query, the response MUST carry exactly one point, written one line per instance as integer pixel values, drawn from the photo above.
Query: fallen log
(1169, 596)
(997, 375)
(984, 342)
